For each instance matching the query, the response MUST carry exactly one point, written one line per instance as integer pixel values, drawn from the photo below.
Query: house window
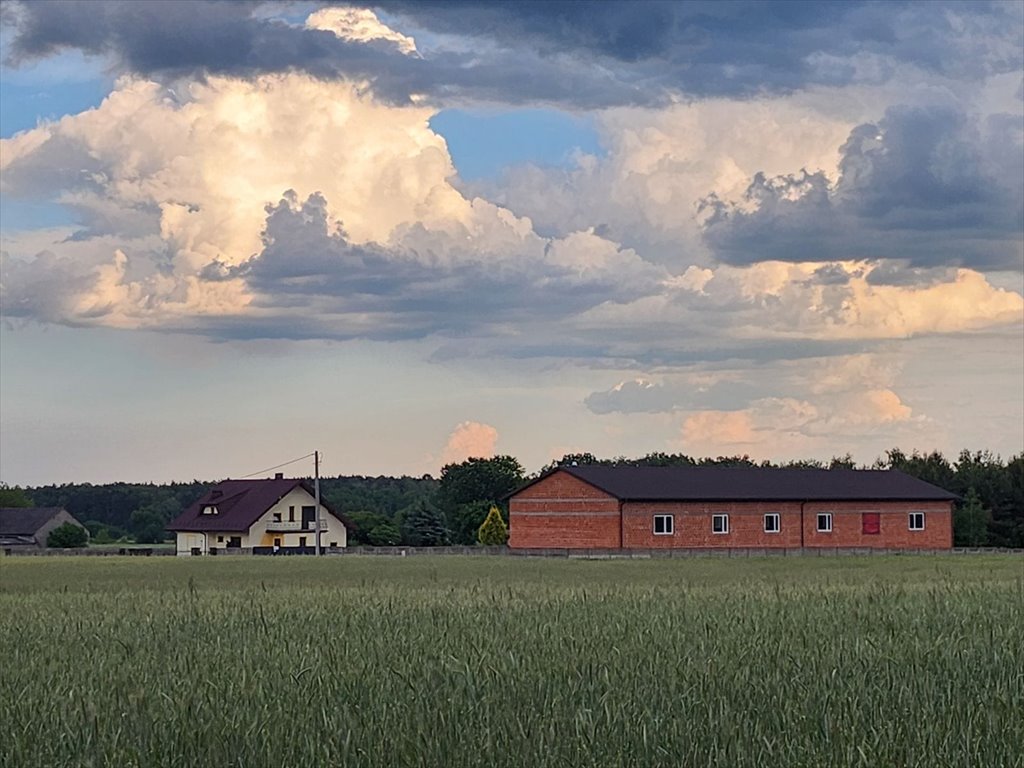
(871, 523)
(916, 521)
(308, 517)
(334, 545)
(824, 522)
(277, 517)
(664, 525)
(277, 542)
(302, 541)
(771, 522)
(719, 523)
(209, 509)
(291, 514)
(220, 539)
(235, 542)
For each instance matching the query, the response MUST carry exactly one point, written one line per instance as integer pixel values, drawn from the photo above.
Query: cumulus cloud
(732, 386)
(469, 440)
(287, 206)
(360, 25)
(925, 185)
(772, 425)
(659, 163)
(370, 241)
(776, 310)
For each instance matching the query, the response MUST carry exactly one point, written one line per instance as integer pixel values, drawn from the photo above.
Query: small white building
(263, 515)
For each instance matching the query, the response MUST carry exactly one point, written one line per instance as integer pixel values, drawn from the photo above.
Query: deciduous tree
(67, 536)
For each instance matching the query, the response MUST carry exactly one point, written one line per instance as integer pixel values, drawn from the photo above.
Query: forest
(425, 511)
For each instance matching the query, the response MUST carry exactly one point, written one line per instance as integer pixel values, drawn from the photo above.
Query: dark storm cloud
(743, 46)
(309, 270)
(587, 54)
(925, 185)
(168, 38)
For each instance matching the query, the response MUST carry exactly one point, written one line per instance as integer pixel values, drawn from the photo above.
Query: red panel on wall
(871, 522)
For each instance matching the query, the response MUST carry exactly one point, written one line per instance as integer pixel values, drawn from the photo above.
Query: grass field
(431, 661)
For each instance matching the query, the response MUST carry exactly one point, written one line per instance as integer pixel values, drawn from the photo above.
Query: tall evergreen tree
(493, 532)
(424, 526)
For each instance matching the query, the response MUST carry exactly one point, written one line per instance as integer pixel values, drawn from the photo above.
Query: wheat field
(493, 661)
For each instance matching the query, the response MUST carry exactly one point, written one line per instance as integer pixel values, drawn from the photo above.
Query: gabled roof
(25, 521)
(629, 483)
(240, 503)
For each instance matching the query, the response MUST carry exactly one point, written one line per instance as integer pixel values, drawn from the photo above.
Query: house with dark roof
(30, 526)
(627, 507)
(278, 514)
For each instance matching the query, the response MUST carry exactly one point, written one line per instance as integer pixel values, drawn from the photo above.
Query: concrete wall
(55, 522)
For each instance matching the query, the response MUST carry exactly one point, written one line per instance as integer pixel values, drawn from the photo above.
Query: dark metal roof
(25, 521)
(630, 483)
(240, 503)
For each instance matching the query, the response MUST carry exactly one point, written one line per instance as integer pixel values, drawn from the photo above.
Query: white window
(664, 525)
(771, 522)
(209, 509)
(719, 523)
(824, 522)
(916, 521)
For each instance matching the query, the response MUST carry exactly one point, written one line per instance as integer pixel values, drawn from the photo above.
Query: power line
(268, 469)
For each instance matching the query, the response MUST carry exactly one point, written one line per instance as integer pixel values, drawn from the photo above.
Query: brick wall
(894, 529)
(563, 511)
(693, 525)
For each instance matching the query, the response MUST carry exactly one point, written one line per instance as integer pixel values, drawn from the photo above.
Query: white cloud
(359, 25)
(777, 426)
(469, 440)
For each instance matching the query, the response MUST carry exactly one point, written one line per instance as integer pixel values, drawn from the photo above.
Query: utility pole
(316, 496)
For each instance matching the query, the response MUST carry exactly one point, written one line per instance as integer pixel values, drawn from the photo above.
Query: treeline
(424, 511)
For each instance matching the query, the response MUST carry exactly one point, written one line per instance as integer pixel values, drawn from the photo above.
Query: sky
(408, 233)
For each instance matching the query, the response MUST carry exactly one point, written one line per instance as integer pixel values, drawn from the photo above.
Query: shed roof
(630, 483)
(240, 503)
(25, 521)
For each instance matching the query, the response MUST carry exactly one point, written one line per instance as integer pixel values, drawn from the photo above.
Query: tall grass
(913, 661)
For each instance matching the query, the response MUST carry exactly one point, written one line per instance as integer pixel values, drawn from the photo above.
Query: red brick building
(623, 507)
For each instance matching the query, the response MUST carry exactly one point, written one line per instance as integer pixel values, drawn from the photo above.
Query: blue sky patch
(483, 143)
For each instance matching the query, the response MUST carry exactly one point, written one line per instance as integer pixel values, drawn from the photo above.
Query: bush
(493, 532)
(67, 536)
(970, 522)
(385, 535)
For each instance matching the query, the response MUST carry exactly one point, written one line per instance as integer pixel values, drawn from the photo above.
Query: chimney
(279, 475)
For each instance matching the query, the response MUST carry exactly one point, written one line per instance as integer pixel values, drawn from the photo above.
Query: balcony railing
(280, 526)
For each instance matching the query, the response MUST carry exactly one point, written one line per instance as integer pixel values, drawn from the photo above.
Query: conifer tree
(493, 532)
(424, 526)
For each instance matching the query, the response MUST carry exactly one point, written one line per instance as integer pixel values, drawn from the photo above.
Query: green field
(493, 661)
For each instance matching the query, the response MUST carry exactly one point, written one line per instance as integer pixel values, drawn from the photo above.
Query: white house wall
(332, 530)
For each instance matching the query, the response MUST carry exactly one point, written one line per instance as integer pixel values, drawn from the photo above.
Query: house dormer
(210, 509)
